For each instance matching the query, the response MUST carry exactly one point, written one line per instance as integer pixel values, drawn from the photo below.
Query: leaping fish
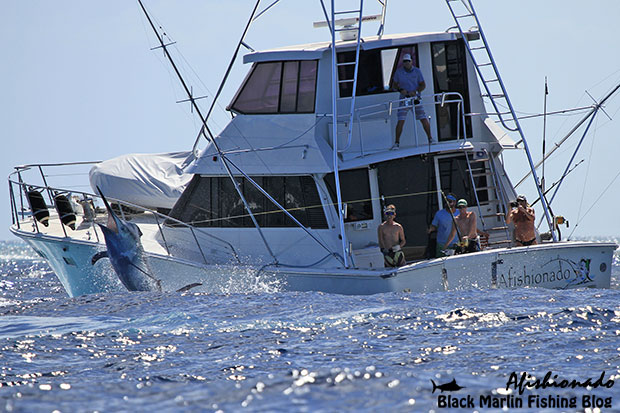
(126, 253)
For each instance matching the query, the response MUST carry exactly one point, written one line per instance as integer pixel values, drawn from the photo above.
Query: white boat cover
(149, 180)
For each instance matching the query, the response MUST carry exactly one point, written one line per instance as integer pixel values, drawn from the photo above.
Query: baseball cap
(461, 202)
(451, 198)
(407, 56)
(521, 198)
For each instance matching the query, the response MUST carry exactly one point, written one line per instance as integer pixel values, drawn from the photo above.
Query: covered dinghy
(149, 180)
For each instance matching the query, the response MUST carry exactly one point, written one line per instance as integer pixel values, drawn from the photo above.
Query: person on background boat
(523, 216)
(468, 227)
(443, 223)
(391, 238)
(408, 80)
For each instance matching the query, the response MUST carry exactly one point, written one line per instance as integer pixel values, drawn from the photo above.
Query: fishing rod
(458, 233)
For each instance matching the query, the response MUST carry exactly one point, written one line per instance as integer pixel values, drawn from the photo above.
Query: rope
(592, 206)
(585, 181)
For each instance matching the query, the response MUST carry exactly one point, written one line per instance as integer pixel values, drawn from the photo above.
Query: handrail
(440, 99)
(157, 215)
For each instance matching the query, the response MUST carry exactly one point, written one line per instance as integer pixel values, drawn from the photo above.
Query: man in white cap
(408, 80)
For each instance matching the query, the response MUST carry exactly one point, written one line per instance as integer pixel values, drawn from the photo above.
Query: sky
(79, 81)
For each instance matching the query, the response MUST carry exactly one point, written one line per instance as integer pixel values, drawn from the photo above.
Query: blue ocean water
(285, 351)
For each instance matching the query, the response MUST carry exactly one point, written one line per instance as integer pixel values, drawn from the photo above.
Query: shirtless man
(523, 218)
(391, 239)
(468, 227)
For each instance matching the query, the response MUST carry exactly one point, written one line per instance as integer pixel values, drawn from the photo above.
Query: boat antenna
(544, 138)
(230, 65)
(556, 146)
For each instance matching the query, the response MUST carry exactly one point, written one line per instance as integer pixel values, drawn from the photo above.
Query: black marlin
(126, 253)
(451, 386)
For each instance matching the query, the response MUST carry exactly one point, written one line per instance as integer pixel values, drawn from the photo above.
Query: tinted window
(278, 87)
(355, 192)
(288, 94)
(307, 86)
(261, 92)
(214, 202)
(450, 75)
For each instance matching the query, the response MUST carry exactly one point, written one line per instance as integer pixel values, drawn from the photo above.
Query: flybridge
(316, 50)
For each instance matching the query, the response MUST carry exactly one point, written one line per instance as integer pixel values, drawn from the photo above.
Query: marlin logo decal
(126, 253)
(451, 386)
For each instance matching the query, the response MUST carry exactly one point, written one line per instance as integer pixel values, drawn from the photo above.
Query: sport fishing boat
(291, 192)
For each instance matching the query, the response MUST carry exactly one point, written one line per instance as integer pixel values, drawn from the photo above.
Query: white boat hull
(559, 266)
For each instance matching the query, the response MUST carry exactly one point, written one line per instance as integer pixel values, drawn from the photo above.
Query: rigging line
(573, 155)
(281, 146)
(265, 10)
(228, 69)
(585, 181)
(592, 206)
(564, 112)
(266, 194)
(568, 135)
(612, 74)
(333, 204)
(223, 158)
(555, 183)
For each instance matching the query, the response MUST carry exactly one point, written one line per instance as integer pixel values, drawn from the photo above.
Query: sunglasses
(390, 213)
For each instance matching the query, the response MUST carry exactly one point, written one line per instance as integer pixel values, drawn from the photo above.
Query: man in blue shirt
(408, 80)
(443, 223)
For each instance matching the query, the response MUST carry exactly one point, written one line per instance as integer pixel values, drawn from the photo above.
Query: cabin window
(278, 87)
(375, 70)
(214, 202)
(355, 192)
(450, 75)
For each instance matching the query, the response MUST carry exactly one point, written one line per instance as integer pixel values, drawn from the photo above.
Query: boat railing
(385, 110)
(21, 206)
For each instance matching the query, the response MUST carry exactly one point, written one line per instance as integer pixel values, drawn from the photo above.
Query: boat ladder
(478, 48)
(347, 23)
(495, 223)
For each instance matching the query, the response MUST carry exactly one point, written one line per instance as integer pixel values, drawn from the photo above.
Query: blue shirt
(408, 80)
(443, 222)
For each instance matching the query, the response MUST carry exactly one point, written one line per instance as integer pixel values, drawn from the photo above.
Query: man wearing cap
(523, 217)
(443, 223)
(391, 239)
(408, 80)
(468, 227)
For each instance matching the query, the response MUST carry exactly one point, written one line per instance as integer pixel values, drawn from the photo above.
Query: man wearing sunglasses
(391, 238)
